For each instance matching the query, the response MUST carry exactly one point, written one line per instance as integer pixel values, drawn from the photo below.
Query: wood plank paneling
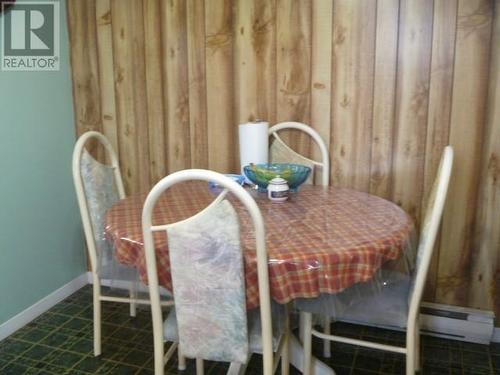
(440, 95)
(175, 57)
(293, 23)
(254, 60)
(321, 71)
(106, 76)
(484, 287)
(245, 64)
(130, 91)
(264, 44)
(352, 97)
(386, 83)
(384, 91)
(470, 89)
(412, 96)
(154, 89)
(219, 67)
(85, 69)
(197, 83)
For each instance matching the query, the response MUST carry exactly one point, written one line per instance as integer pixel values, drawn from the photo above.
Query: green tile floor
(60, 342)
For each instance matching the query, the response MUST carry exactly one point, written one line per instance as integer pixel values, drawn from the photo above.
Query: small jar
(278, 189)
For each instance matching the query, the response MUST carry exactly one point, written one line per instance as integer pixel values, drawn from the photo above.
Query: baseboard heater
(457, 323)
(451, 322)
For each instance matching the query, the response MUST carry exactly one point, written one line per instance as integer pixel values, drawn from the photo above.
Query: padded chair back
(280, 152)
(98, 187)
(208, 275)
(208, 282)
(428, 233)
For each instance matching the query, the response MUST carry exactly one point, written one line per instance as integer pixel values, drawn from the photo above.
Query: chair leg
(301, 327)
(133, 295)
(181, 360)
(327, 352)
(410, 363)
(285, 355)
(97, 317)
(410, 349)
(236, 368)
(199, 366)
(417, 345)
(307, 340)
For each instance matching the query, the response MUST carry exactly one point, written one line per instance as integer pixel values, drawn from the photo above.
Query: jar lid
(277, 181)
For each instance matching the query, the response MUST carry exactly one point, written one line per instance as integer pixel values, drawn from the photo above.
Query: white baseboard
(24, 317)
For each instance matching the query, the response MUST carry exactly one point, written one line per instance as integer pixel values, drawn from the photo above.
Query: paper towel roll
(254, 143)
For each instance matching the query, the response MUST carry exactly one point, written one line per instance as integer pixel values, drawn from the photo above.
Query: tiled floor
(60, 342)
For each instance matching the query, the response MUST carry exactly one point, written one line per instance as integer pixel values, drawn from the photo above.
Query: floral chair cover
(101, 193)
(209, 285)
(279, 152)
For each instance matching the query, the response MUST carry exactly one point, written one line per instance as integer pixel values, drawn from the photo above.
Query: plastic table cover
(324, 241)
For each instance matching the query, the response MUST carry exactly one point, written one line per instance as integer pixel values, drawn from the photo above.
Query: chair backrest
(428, 233)
(98, 187)
(280, 152)
(207, 274)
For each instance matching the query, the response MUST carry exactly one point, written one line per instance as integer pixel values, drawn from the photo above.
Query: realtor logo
(30, 36)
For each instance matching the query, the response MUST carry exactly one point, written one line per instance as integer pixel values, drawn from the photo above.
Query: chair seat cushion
(118, 272)
(170, 332)
(379, 303)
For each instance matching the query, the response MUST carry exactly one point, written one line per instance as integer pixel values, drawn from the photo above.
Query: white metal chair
(280, 152)
(210, 318)
(409, 297)
(98, 187)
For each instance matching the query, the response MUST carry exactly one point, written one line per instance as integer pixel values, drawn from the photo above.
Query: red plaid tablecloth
(322, 240)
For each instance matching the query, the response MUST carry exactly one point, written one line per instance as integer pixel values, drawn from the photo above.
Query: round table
(322, 240)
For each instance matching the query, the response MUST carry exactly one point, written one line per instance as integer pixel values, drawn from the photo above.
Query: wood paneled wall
(386, 83)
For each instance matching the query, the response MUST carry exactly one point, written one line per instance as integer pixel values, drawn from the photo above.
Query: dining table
(322, 240)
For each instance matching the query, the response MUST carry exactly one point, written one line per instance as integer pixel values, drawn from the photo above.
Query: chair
(210, 319)
(280, 152)
(398, 295)
(98, 187)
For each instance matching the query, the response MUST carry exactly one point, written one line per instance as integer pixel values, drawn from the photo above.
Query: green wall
(41, 246)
